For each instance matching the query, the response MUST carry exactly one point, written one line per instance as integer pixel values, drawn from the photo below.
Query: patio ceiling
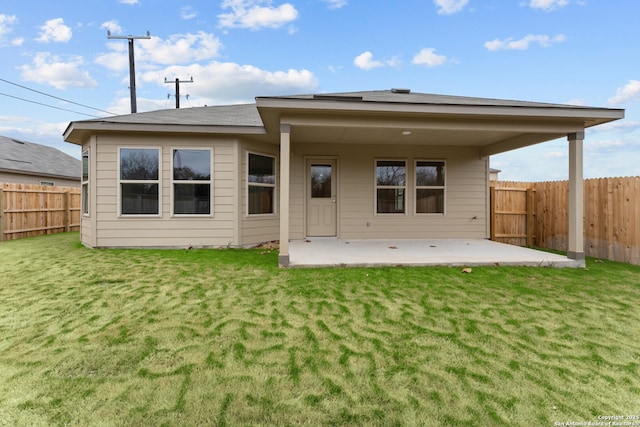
(494, 136)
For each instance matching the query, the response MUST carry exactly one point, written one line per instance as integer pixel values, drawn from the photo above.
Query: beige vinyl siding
(88, 222)
(166, 230)
(465, 188)
(255, 229)
(20, 178)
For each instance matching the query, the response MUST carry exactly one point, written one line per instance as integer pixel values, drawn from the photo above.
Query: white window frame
(128, 181)
(84, 184)
(376, 187)
(210, 182)
(429, 187)
(260, 184)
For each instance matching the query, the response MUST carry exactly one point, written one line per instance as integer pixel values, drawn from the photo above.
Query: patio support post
(285, 167)
(576, 197)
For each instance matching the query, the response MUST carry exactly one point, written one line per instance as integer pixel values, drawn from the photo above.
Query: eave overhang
(491, 128)
(79, 132)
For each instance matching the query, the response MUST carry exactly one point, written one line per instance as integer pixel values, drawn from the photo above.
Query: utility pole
(178, 81)
(132, 67)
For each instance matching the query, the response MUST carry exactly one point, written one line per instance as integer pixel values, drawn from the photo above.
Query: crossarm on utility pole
(178, 81)
(132, 67)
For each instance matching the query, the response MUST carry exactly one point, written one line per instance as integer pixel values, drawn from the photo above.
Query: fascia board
(589, 114)
(76, 132)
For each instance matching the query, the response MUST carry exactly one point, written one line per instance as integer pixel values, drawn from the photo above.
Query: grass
(225, 338)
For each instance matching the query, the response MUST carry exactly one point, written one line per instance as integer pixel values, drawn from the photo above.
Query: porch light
(406, 132)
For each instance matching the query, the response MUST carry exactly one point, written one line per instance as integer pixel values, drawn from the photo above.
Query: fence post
(492, 212)
(67, 210)
(530, 221)
(1, 214)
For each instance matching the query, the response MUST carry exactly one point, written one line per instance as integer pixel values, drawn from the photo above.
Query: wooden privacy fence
(32, 210)
(536, 214)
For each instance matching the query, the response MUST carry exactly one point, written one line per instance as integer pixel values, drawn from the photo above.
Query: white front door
(321, 198)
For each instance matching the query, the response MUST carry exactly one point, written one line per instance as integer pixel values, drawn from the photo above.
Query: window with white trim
(430, 185)
(139, 181)
(85, 182)
(191, 181)
(261, 184)
(391, 186)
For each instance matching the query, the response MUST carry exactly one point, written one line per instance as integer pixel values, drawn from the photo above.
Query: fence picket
(611, 215)
(32, 210)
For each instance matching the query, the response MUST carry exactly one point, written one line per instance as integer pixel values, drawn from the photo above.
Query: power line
(58, 98)
(47, 105)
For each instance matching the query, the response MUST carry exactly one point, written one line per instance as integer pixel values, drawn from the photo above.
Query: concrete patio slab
(332, 252)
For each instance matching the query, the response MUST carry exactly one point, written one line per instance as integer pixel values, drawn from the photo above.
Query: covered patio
(359, 136)
(317, 252)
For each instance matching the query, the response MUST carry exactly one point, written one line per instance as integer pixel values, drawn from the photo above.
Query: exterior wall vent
(400, 90)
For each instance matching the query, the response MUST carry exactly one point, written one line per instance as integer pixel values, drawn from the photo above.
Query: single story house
(28, 163)
(493, 174)
(389, 164)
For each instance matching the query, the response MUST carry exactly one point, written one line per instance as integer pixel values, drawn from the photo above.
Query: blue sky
(582, 52)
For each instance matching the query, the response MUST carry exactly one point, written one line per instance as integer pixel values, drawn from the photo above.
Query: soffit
(385, 118)
(424, 129)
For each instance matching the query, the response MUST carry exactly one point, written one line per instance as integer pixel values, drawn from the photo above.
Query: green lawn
(225, 338)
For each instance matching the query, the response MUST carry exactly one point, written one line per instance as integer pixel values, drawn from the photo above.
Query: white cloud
(627, 93)
(577, 101)
(180, 48)
(187, 13)
(548, 5)
(336, 4)
(122, 105)
(177, 49)
(117, 59)
(6, 22)
(112, 26)
(365, 61)
(624, 126)
(229, 83)
(50, 70)
(605, 145)
(31, 126)
(429, 57)
(54, 30)
(253, 15)
(523, 43)
(129, 1)
(449, 7)
(556, 155)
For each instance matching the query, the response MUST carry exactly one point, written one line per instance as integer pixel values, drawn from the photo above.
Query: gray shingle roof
(36, 159)
(406, 96)
(248, 115)
(223, 115)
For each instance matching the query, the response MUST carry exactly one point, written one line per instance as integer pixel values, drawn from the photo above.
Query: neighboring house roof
(28, 158)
